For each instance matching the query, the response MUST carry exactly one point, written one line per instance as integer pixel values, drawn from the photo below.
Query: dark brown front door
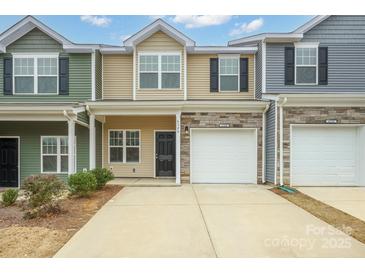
(165, 154)
(9, 162)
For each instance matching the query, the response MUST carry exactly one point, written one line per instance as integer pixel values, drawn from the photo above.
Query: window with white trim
(306, 64)
(35, 74)
(159, 71)
(124, 146)
(54, 153)
(229, 73)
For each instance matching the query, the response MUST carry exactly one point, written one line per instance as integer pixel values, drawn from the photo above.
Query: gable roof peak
(159, 25)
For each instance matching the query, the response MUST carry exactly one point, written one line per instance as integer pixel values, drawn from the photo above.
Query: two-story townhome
(315, 79)
(172, 109)
(45, 80)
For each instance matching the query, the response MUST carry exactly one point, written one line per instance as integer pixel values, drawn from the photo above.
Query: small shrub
(82, 184)
(102, 176)
(43, 190)
(9, 197)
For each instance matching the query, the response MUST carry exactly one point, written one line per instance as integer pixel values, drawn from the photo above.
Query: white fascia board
(116, 50)
(80, 48)
(222, 50)
(135, 107)
(311, 24)
(325, 100)
(159, 25)
(268, 37)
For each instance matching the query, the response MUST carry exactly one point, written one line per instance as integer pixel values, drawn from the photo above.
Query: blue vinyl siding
(345, 38)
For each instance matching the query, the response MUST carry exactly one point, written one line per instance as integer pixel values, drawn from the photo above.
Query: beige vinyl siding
(198, 75)
(146, 125)
(160, 42)
(118, 77)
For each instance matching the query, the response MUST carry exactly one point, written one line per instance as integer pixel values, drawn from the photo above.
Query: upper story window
(35, 74)
(159, 70)
(229, 73)
(306, 60)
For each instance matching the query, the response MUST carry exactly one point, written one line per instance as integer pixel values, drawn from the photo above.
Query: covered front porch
(140, 145)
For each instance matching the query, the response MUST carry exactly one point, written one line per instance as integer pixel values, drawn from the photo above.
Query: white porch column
(71, 147)
(177, 164)
(92, 145)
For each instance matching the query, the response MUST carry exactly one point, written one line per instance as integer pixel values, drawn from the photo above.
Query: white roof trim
(324, 100)
(294, 36)
(27, 24)
(311, 24)
(223, 50)
(268, 37)
(143, 107)
(116, 50)
(158, 25)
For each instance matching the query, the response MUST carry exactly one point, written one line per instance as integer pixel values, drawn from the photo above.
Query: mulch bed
(347, 223)
(44, 236)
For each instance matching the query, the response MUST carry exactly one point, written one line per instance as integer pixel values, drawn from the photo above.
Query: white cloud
(99, 21)
(247, 27)
(199, 21)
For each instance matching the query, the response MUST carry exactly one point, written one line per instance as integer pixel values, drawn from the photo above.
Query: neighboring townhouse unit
(315, 77)
(172, 109)
(45, 80)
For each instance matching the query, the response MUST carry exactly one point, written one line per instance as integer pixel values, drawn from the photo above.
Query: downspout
(264, 143)
(281, 139)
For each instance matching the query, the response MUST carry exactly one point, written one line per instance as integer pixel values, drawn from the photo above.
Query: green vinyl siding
(83, 117)
(30, 143)
(35, 41)
(98, 75)
(99, 143)
(79, 69)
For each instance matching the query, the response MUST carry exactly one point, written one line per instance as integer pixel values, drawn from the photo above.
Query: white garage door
(223, 156)
(325, 155)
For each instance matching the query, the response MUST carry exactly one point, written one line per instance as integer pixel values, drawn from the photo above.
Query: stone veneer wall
(212, 120)
(314, 115)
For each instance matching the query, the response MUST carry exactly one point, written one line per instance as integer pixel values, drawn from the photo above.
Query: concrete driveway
(206, 221)
(348, 199)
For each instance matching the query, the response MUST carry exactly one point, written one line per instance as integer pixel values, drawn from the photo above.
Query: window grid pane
(116, 138)
(148, 63)
(228, 66)
(306, 56)
(170, 63)
(23, 66)
(55, 154)
(47, 66)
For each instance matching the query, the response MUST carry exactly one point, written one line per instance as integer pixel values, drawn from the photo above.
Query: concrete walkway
(348, 199)
(206, 221)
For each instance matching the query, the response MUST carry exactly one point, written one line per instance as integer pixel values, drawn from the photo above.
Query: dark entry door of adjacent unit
(9, 162)
(165, 154)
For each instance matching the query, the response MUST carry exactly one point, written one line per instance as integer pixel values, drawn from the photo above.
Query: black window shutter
(8, 76)
(322, 65)
(243, 74)
(289, 65)
(214, 74)
(63, 75)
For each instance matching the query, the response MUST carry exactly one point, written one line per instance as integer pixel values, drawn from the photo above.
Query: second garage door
(325, 155)
(223, 156)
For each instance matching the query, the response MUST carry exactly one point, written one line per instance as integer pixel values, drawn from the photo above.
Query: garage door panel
(324, 156)
(223, 156)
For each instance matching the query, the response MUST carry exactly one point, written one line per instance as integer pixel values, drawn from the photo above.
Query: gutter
(263, 180)
(281, 138)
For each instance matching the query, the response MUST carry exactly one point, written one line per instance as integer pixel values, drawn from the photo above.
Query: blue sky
(205, 29)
